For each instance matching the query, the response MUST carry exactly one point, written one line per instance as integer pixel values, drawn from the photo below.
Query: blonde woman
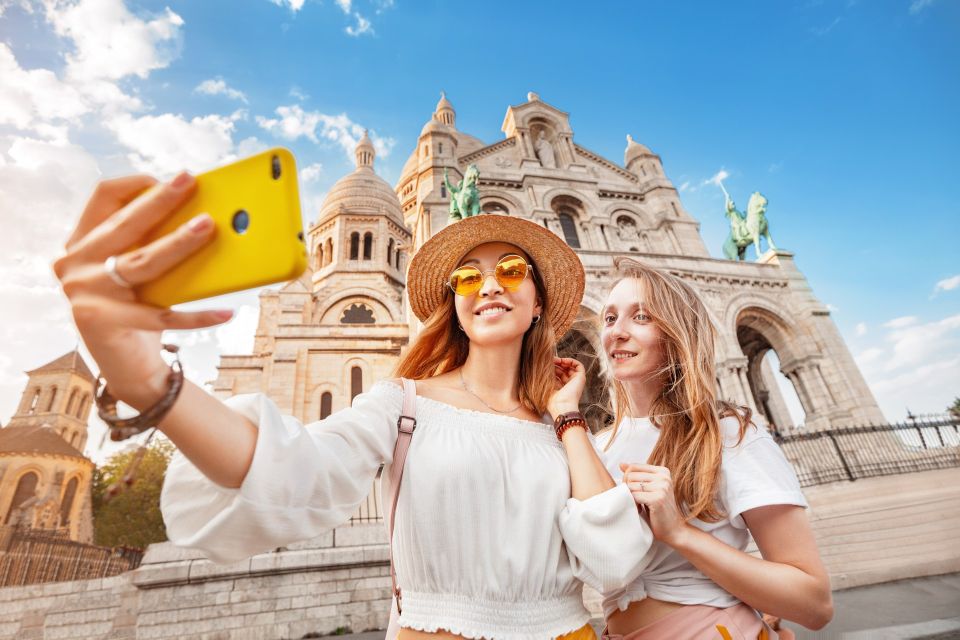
(705, 476)
(498, 518)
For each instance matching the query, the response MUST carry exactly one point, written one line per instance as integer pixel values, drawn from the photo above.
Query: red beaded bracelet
(566, 420)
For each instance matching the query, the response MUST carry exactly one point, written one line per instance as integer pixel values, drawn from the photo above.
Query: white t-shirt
(753, 473)
(488, 542)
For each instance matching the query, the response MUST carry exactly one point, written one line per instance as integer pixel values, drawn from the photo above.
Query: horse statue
(735, 247)
(464, 198)
(747, 229)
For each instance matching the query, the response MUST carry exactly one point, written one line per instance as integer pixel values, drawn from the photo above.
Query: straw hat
(555, 264)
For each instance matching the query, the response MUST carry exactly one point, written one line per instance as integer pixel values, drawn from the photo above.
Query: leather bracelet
(123, 428)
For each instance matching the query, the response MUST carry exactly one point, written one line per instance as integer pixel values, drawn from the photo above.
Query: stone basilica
(327, 336)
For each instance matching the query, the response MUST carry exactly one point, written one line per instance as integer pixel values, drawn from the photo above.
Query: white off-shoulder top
(488, 542)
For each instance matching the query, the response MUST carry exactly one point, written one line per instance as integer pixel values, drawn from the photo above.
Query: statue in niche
(545, 151)
(627, 229)
(357, 313)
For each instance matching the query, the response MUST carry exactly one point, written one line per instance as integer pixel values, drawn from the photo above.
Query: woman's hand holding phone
(123, 334)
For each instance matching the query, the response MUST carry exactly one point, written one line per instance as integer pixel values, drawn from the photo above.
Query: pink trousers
(700, 622)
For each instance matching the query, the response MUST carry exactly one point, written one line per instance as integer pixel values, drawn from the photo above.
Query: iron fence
(31, 556)
(850, 453)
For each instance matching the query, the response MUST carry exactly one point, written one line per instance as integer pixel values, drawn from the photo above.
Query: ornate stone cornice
(708, 279)
(473, 156)
(606, 194)
(506, 184)
(590, 155)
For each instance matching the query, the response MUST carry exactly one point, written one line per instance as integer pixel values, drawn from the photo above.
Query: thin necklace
(468, 390)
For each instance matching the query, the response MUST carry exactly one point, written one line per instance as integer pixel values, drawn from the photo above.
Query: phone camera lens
(241, 221)
(275, 166)
(300, 236)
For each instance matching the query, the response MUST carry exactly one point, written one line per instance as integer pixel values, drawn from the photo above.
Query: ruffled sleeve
(609, 543)
(303, 480)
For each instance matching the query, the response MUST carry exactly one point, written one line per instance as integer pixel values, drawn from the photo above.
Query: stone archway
(582, 342)
(766, 342)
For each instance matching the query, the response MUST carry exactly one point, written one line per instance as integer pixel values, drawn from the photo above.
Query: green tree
(954, 409)
(132, 517)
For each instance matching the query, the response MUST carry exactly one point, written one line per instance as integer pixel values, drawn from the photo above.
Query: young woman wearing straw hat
(705, 476)
(498, 518)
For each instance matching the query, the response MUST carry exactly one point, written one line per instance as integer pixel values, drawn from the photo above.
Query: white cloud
(363, 26)
(43, 186)
(167, 143)
(295, 5)
(861, 329)
(294, 123)
(914, 344)
(344, 5)
(110, 42)
(833, 308)
(914, 364)
(311, 173)
(948, 284)
(685, 186)
(30, 98)
(218, 86)
(919, 5)
(899, 323)
(716, 179)
(236, 336)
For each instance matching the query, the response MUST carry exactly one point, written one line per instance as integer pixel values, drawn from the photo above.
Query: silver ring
(110, 266)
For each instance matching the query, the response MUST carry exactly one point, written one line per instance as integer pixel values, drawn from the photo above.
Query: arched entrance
(766, 342)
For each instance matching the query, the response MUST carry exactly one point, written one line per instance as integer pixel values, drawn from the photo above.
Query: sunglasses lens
(511, 271)
(466, 280)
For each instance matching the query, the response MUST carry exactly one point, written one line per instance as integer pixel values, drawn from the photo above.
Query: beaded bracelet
(566, 420)
(123, 428)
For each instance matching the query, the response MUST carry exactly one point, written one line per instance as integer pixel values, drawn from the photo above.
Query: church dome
(634, 150)
(434, 126)
(362, 189)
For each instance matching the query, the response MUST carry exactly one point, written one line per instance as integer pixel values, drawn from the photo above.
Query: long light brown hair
(443, 346)
(687, 411)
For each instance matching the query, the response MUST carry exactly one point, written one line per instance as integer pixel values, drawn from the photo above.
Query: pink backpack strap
(406, 424)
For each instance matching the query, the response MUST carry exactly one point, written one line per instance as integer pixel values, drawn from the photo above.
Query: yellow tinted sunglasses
(509, 273)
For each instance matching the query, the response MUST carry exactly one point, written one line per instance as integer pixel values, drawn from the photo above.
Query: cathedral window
(67, 503)
(398, 258)
(83, 405)
(71, 401)
(26, 489)
(440, 148)
(328, 254)
(319, 256)
(494, 207)
(52, 399)
(389, 251)
(356, 382)
(443, 190)
(357, 313)
(354, 246)
(367, 246)
(34, 401)
(569, 230)
(326, 404)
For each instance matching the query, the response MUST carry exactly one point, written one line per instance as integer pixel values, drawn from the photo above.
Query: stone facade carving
(302, 347)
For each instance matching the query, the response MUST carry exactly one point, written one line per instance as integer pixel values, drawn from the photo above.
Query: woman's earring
(460, 325)
(536, 319)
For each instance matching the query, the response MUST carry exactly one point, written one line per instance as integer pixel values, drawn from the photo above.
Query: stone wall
(338, 581)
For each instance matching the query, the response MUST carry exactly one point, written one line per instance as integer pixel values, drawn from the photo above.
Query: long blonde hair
(687, 411)
(443, 346)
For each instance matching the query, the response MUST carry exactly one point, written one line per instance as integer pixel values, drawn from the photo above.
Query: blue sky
(844, 114)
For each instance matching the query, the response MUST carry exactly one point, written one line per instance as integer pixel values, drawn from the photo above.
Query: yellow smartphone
(255, 206)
